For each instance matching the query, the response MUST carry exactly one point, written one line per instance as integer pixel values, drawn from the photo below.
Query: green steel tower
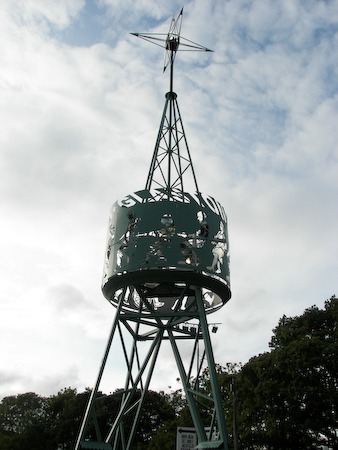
(166, 268)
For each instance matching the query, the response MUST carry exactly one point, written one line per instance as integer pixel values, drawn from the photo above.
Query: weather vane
(171, 43)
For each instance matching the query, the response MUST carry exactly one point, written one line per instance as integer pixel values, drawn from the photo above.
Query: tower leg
(149, 332)
(218, 414)
(131, 397)
(90, 406)
(216, 431)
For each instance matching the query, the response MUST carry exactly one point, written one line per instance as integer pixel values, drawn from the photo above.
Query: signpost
(186, 438)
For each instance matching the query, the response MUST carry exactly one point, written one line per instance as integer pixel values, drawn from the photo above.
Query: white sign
(186, 438)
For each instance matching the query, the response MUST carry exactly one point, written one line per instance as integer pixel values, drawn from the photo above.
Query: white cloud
(38, 15)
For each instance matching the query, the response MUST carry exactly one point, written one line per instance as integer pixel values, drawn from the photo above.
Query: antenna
(171, 43)
(171, 162)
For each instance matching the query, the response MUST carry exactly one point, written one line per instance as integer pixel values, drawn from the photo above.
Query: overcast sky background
(80, 103)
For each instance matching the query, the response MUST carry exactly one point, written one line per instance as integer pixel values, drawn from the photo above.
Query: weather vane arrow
(172, 42)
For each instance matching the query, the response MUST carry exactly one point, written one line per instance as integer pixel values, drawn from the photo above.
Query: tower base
(141, 336)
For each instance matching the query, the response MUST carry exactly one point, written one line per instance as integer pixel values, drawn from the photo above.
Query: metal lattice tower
(166, 269)
(171, 164)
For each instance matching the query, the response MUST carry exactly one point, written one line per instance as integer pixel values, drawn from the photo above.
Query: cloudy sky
(80, 104)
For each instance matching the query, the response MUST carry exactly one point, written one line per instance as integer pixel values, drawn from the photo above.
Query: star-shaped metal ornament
(172, 41)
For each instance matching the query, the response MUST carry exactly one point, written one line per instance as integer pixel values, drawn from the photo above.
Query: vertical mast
(171, 165)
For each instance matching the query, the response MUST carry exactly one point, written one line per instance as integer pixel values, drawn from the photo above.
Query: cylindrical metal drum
(158, 245)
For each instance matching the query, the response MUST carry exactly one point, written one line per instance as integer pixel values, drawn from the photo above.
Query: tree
(28, 421)
(156, 411)
(165, 436)
(65, 411)
(23, 422)
(288, 396)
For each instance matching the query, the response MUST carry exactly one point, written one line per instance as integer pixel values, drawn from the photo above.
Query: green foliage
(288, 397)
(24, 417)
(155, 412)
(29, 421)
(65, 411)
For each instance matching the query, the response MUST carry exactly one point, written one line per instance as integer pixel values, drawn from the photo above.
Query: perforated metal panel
(156, 245)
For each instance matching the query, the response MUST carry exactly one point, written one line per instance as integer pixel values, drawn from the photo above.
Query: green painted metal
(171, 166)
(90, 412)
(141, 342)
(95, 446)
(166, 267)
(218, 407)
(155, 245)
